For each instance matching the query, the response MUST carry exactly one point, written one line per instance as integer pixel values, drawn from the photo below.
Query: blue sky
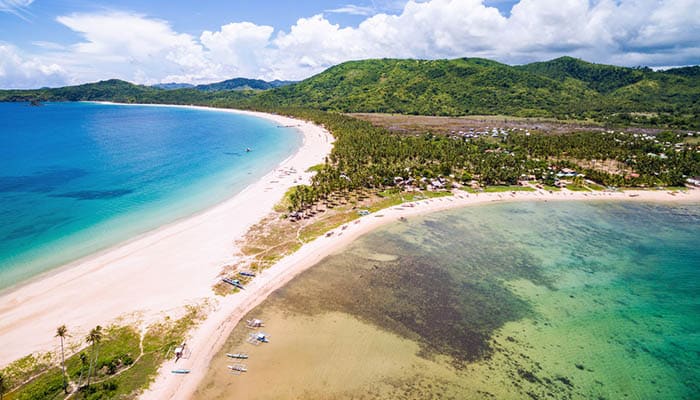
(51, 43)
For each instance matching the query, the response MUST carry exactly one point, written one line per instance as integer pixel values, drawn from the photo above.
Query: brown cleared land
(447, 125)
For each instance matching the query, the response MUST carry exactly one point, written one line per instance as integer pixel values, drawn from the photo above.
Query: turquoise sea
(76, 178)
(562, 300)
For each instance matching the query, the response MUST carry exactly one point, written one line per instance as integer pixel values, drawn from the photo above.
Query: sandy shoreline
(156, 273)
(209, 337)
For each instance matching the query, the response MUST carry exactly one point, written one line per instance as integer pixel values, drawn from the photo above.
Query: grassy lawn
(500, 189)
(552, 188)
(577, 188)
(595, 187)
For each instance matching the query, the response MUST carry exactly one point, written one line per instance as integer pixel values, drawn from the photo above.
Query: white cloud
(134, 47)
(239, 48)
(19, 71)
(352, 9)
(147, 50)
(16, 7)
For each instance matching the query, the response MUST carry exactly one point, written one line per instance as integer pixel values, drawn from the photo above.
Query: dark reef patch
(40, 182)
(449, 299)
(95, 194)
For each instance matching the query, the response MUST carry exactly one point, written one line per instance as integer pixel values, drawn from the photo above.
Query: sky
(62, 42)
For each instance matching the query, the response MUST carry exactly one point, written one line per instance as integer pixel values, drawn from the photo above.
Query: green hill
(601, 78)
(562, 88)
(243, 84)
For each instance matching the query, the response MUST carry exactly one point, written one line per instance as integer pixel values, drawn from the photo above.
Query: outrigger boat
(240, 356)
(238, 368)
(254, 323)
(234, 282)
(246, 273)
(180, 371)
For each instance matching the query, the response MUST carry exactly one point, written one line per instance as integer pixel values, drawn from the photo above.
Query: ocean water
(567, 300)
(76, 178)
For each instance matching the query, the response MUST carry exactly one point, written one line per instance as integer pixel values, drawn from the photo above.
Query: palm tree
(62, 332)
(83, 363)
(94, 338)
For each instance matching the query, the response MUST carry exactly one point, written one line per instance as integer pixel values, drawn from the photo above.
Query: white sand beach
(208, 338)
(155, 274)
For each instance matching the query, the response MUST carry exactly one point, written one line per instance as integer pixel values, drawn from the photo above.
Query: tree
(3, 386)
(94, 338)
(62, 332)
(83, 364)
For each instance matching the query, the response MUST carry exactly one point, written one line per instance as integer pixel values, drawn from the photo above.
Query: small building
(694, 181)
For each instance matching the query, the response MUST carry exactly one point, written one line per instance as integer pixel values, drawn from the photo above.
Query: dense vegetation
(243, 84)
(564, 88)
(366, 157)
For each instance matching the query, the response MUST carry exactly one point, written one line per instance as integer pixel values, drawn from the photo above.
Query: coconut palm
(62, 332)
(83, 364)
(94, 338)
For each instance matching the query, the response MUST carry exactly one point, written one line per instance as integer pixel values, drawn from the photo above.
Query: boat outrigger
(180, 371)
(240, 356)
(234, 282)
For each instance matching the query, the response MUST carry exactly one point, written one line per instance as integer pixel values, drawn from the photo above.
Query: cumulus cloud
(134, 47)
(19, 71)
(147, 50)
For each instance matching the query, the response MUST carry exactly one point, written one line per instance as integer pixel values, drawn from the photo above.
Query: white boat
(240, 356)
(238, 368)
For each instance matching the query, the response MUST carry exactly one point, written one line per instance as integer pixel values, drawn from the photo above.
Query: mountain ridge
(565, 87)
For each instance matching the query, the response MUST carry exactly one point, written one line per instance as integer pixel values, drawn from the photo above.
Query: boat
(262, 337)
(248, 150)
(180, 371)
(238, 368)
(240, 356)
(234, 282)
(246, 273)
(254, 323)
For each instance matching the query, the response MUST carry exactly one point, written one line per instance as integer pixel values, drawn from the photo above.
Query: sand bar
(158, 272)
(208, 338)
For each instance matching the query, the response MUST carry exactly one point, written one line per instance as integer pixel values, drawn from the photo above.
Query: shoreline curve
(157, 272)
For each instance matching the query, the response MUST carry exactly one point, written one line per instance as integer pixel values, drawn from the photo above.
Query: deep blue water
(78, 177)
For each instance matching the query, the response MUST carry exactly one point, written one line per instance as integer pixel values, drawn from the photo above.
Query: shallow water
(522, 300)
(78, 177)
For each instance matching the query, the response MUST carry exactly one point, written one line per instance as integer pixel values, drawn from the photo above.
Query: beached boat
(262, 337)
(240, 356)
(234, 282)
(257, 338)
(246, 273)
(180, 371)
(254, 323)
(238, 368)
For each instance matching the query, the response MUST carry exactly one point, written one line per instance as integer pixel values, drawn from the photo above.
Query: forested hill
(565, 88)
(243, 84)
(562, 88)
